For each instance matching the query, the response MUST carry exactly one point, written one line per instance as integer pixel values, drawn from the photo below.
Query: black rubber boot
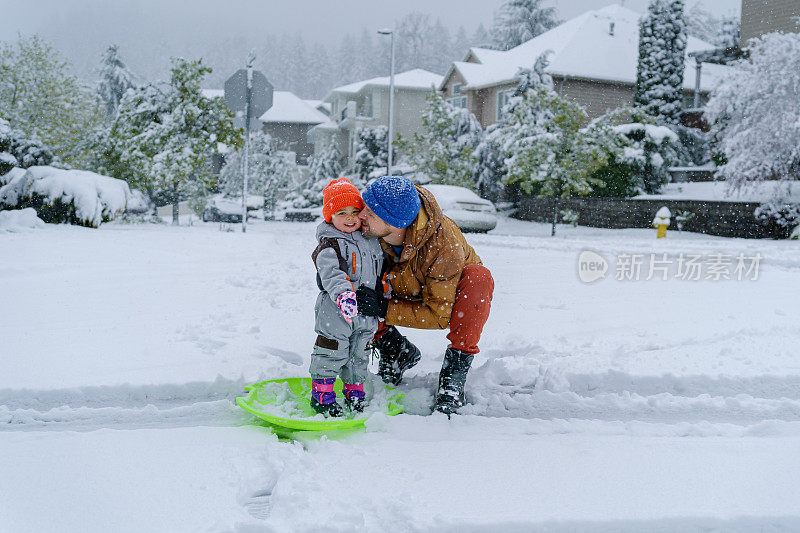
(328, 409)
(397, 356)
(450, 395)
(356, 405)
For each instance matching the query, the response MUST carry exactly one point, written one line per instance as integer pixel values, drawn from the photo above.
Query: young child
(345, 260)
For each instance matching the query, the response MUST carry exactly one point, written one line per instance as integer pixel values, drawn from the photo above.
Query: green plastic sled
(285, 402)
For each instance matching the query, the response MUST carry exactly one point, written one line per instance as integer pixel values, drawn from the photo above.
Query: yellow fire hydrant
(661, 221)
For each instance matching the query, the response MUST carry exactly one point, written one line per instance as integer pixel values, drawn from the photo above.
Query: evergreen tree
(659, 74)
(519, 21)
(115, 80)
(372, 151)
(445, 149)
(162, 140)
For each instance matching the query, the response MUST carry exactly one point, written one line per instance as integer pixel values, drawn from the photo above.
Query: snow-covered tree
(372, 151)
(17, 150)
(41, 99)
(445, 150)
(115, 80)
(518, 21)
(268, 170)
(323, 167)
(165, 138)
(722, 31)
(659, 74)
(755, 112)
(547, 152)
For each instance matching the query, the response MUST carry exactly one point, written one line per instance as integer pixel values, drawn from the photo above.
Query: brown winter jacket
(425, 276)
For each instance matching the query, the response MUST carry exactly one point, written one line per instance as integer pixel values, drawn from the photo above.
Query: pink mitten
(347, 305)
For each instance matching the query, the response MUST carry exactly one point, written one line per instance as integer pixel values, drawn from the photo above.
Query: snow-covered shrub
(780, 218)
(17, 150)
(445, 150)
(16, 220)
(754, 113)
(693, 147)
(682, 218)
(642, 165)
(659, 74)
(372, 151)
(67, 196)
(568, 216)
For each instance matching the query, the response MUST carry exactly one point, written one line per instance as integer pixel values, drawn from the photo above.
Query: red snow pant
(470, 310)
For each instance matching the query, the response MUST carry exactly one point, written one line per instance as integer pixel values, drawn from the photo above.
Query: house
(366, 103)
(766, 16)
(593, 62)
(289, 120)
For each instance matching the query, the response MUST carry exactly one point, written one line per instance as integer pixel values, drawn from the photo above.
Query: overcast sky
(317, 20)
(82, 29)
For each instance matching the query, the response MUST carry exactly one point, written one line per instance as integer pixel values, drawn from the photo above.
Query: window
(459, 101)
(457, 88)
(502, 99)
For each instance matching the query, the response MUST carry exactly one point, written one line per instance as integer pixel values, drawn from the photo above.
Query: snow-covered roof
(582, 47)
(288, 107)
(411, 79)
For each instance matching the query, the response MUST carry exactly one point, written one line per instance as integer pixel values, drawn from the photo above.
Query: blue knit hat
(394, 199)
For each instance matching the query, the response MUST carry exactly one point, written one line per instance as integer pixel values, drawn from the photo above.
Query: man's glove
(346, 302)
(371, 303)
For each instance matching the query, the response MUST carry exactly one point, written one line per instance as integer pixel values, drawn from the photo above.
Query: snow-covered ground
(618, 405)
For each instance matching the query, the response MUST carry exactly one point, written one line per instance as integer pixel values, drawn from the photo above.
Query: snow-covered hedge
(780, 218)
(66, 196)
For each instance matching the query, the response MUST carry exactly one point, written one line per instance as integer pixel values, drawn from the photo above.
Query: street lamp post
(391, 101)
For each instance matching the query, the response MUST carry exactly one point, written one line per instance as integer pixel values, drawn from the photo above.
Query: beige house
(592, 60)
(366, 103)
(766, 16)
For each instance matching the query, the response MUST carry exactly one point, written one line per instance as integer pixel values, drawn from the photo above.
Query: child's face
(346, 219)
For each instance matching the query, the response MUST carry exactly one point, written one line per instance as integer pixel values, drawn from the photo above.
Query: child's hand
(348, 305)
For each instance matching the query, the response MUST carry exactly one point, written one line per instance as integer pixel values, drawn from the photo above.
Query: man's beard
(369, 233)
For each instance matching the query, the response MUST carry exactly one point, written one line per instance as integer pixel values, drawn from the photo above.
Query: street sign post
(249, 95)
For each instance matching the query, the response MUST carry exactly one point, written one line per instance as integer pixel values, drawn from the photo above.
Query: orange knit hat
(339, 194)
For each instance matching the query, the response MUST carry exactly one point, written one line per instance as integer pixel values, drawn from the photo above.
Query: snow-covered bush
(17, 150)
(647, 153)
(780, 218)
(659, 74)
(17, 220)
(445, 150)
(755, 113)
(66, 196)
(372, 151)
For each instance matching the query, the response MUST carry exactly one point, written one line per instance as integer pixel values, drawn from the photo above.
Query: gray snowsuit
(341, 347)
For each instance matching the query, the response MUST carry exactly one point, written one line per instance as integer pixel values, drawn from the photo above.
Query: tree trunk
(555, 216)
(175, 206)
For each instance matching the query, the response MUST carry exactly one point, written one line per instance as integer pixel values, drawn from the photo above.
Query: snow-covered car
(468, 210)
(221, 209)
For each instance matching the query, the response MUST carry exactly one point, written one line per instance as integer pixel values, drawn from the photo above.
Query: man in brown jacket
(437, 282)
